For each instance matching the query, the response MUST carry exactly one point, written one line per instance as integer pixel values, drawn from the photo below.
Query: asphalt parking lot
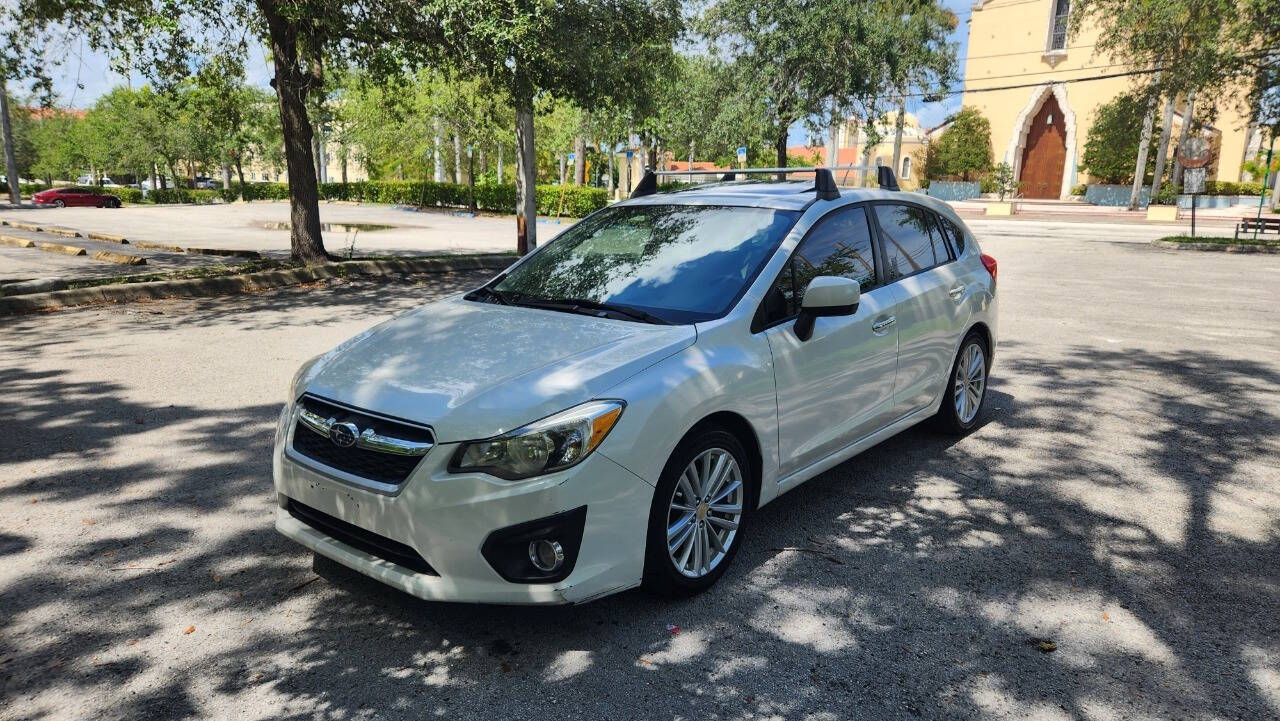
(1105, 546)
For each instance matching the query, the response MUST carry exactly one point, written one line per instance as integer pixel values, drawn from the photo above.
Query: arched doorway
(1045, 155)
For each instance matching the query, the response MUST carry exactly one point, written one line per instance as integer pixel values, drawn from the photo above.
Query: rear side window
(954, 234)
(840, 244)
(912, 243)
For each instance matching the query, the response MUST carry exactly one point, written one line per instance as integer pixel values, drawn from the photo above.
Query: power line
(961, 91)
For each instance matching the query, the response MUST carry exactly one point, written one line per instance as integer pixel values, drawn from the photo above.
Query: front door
(1045, 155)
(837, 386)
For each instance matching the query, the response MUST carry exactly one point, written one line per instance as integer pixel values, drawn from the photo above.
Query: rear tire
(698, 513)
(112, 203)
(967, 383)
(59, 203)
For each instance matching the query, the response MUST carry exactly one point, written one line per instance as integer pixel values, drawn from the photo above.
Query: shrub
(574, 201)
(963, 149)
(127, 195)
(1168, 195)
(183, 195)
(1111, 150)
(28, 189)
(1079, 189)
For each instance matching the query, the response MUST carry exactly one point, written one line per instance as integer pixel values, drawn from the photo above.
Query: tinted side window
(840, 244)
(954, 234)
(911, 243)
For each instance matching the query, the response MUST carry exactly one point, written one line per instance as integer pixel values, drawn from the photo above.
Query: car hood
(473, 370)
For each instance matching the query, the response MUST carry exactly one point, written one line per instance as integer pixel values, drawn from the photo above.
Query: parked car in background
(612, 409)
(204, 182)
(88, 179)
(70, 196)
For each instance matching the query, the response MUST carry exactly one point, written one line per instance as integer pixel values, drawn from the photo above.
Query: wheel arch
(741, 429)
(982, 329)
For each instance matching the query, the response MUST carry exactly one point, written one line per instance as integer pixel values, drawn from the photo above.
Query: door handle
(956, 292)
(881, 325)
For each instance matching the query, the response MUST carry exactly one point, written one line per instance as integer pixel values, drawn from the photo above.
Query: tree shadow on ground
(1119, 505)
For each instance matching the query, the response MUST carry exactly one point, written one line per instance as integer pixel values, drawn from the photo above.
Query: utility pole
(10, 162)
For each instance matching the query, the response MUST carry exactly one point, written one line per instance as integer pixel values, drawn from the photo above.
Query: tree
(1111, 149)
(851, 55)
(963, 149)
(167, 38)
(582, 51)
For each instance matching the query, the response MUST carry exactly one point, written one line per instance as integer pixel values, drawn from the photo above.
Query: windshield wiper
(579, 305)
(488, 292)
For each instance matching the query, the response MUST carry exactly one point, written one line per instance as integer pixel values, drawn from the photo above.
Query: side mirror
(827, 295)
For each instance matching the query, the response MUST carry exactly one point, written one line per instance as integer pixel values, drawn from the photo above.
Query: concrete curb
(17, 242)
(156, 246)
(60, 248)
(111, 257)
(1217, 247)
(249, 282)
(109, 238)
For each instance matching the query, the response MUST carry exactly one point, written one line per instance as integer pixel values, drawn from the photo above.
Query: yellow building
(334, 168)
(1041, 131)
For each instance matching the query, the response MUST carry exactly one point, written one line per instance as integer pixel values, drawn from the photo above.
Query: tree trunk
(833, 145)
(437, 142)
(579, 160)
(457, 159)
(240, 175)
(897, 137)
(154, 184)
(780, 148)
(484, 162)
(226, 175)
(1162, 150)
(526, 179)
(500, 162)
(291, 84)
(1188, 115)
(10, 161)
(1140, 168)
(344, 166)
(692, 145)
(609, 171)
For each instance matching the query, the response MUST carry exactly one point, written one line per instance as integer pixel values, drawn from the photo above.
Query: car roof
(779, 195)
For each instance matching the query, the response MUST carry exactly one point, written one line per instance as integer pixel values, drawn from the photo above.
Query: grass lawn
(1268, 239)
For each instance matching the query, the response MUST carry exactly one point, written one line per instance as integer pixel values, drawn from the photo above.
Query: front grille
(374, 465)
(357, 537)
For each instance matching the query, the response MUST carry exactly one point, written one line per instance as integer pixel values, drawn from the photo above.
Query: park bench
(1261, 225)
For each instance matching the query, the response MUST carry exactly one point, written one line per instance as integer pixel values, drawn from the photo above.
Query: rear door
(837, 386)
(918, 264)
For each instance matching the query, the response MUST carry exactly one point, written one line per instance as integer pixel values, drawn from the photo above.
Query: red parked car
(69, 196)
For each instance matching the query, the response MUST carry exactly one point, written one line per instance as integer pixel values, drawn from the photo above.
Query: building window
(906, 169)
(1058, 25)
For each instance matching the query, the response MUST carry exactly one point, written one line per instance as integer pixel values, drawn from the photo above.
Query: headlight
(551, 444)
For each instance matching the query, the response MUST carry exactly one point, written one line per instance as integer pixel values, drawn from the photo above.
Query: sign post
(1266, 179)
(742, 156)
(1193, 153)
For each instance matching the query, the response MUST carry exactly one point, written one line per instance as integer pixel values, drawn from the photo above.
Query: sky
(86, 75)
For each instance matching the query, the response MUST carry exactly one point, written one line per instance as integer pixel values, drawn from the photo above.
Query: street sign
(572, 156)
(742, 155)
(1193, 152)
(630, 154)
(1193, 180)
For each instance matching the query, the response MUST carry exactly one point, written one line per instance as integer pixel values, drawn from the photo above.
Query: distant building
(334, 168)
(1041, 131)
(851, 140)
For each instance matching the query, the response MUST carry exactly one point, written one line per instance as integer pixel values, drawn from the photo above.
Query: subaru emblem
(344, 434)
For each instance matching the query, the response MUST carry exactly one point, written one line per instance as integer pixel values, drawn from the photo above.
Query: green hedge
(568, 200)
(29, 189)
(1224, 187)
(128, 195)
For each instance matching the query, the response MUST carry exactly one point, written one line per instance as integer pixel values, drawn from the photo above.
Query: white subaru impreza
(612, 409)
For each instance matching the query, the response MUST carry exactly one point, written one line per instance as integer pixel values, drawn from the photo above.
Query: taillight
(990, 264)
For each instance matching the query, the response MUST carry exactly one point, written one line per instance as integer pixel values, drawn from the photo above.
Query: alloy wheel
(970, 383)
(704, 512)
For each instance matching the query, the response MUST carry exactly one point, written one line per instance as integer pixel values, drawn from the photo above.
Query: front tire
(966, 387)
(696, 519)
(59, 203)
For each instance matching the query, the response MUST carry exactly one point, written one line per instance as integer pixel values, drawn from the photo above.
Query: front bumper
(446, 517)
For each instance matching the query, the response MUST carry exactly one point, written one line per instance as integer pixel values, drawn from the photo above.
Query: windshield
(681, 263)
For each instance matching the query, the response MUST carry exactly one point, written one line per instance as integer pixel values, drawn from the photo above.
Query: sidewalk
(1079, 211)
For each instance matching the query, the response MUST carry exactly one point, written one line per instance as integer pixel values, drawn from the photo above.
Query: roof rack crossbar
(824, 180)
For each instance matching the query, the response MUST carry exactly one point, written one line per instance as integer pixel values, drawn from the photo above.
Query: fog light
(546, 556)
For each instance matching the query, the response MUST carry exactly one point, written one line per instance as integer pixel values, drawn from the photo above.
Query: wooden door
(1045, 155)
